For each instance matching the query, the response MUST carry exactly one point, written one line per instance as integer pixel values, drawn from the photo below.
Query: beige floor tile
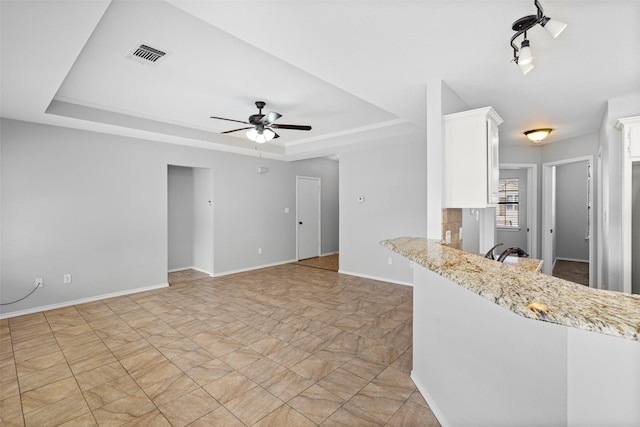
(209, 371)
(396, 381)
(10, 410)
(262, 370)
(286, 345)
(411, 414)
(170, 388)
(153, 418)
(241, 357)
(45, 376)
(316, 403)
(218, 417)
(112, 391)
(378, 402)
(287, 385)
(352, 416)
(253, 405)
(189, 407)
(229, 387)
(285, 416)
(123, 410)
(58, 412)
(343, 383)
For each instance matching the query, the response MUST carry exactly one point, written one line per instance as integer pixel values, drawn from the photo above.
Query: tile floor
(282, 346)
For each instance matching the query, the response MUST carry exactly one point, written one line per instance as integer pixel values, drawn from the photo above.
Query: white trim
(571, 259)
(82, 301)
(430, 401)
(547, 190)
(256, 267)
(381, 279)
(330, 253)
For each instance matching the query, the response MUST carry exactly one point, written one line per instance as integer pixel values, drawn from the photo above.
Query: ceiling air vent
(146, 54)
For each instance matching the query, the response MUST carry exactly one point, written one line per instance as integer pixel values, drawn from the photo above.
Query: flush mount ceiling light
(537, 135)
(525, 58)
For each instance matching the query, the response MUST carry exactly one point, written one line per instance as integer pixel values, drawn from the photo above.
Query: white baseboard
(381, 279)
(81, 301)
(330, 253)
(429, 399)
(256, 267)
(571, 259)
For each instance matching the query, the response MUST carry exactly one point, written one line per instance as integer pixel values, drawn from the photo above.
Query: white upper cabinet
(471, 166)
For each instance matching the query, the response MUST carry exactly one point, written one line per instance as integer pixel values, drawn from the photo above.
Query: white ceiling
(356, 71)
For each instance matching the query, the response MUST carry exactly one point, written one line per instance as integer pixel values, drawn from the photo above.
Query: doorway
(525, 235)
(567, 214)
(190, 219)
(308, 229)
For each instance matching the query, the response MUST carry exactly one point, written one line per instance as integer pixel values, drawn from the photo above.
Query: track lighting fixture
(523, 56)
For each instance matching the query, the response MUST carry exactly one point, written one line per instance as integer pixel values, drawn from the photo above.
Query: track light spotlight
(523, 56)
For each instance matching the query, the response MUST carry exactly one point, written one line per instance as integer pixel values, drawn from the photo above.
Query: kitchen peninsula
(497, 344)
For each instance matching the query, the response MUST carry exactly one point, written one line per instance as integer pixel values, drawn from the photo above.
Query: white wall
(95, 206)
(571, 212)
(392, 180)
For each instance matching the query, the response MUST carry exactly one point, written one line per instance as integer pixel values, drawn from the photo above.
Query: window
(507, 212)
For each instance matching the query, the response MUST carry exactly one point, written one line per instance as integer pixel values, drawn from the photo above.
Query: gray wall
(180, 217)
(95, 206)
(392, 180)
(571, 212)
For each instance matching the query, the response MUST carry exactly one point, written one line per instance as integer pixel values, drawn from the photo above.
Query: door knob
(300, 222)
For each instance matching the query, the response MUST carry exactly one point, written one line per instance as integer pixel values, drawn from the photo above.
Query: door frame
(297, 218)
(532, 203)
(210, 269)
(548, 206)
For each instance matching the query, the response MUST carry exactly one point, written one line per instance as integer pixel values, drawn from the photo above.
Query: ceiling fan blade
(275, 135)
(294, 127)
(230, 120)
(236, 130)
(271, 117)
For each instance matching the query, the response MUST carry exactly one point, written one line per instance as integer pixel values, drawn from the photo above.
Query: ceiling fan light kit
(523, 56)
(262, 125)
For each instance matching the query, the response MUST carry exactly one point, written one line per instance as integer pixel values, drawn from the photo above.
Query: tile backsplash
(452, 221)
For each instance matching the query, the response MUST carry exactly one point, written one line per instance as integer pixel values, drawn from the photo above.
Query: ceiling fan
(262, 125)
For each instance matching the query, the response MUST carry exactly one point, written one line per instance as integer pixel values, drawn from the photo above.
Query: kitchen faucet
(512, 250)
(490, 253)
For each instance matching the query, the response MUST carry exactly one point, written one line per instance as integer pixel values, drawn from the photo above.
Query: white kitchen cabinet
(471, 167)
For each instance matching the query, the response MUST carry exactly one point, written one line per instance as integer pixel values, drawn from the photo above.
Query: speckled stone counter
(526, 292)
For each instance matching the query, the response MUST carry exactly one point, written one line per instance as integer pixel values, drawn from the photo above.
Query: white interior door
(308, 216)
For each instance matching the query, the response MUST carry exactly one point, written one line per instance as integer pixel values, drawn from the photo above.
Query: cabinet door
(493, 164)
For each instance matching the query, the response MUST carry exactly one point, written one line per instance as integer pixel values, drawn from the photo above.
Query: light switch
(286, 210)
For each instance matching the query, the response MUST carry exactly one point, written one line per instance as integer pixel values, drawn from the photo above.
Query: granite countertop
(527, 292)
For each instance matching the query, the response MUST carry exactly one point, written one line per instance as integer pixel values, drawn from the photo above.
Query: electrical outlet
(39, 282)
(389, 260)
(259, 251)
(447, 237)
(66, 278)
